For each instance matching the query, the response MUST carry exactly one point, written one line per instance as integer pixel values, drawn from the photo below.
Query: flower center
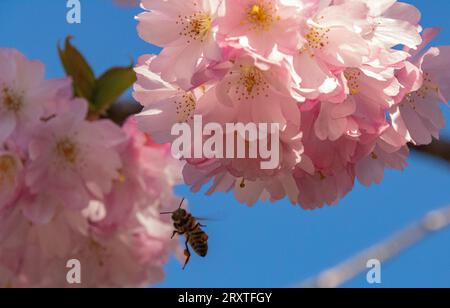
(195, 27)
(251, 83)
(185, 107)
(421, 94)
(67, 150)
(250, 78)
(122, 178)
(352, 75)
(8, 167)
(262, 15)
(11, 101)
(99, 252)
(316, 39)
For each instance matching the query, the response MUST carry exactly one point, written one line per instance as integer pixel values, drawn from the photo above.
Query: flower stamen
(427, 88)
(352, 76)
(316, 39)
(261, 16)
(195, 27)
(251, 83)
(67, 150)
(185, 107)
(8, 167)
(11, 101)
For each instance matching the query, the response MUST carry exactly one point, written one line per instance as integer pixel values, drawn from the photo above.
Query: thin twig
(433, 222)
(438, 149)
(120, 111)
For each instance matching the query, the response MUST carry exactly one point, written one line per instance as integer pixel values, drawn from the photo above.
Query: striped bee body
(187, 225)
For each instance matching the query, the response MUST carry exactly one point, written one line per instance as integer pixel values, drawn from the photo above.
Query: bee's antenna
(182, 201)
(168, 213)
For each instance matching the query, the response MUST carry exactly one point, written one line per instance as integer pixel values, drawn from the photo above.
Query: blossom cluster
(77, 189)
(350, 83)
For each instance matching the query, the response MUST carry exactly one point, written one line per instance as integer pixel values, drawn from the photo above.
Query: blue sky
(269, 245)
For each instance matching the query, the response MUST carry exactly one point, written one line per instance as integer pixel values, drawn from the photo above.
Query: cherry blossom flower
(23, 93)
(131, 256)
(165, 103)
(105, 212)
(254, 83)
(186, 30)
(260, 23)
(64, 156)
(418, 116)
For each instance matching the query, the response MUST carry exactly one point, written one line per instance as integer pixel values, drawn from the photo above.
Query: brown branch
(119, 112)
(438, 149)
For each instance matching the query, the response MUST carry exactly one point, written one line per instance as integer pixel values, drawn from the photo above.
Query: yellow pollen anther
(98, 250)
(316, 39)
(11, 101)
(185, 107)
(8, 168)
(250, 78)
(122, 178)
(195, 27)
(67, 150)
(322, 176)
(354, 91)
(257, 13)
(251, 83)
(428, 88)
(261, 16)
(352, 76)
(256, 9)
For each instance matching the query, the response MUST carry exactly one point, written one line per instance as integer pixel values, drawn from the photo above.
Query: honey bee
(187, 225)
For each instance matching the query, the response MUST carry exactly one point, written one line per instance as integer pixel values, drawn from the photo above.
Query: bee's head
(179, 214)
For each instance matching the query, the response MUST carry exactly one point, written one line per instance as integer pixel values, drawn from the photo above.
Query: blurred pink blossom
(77, 189)
(23, 94)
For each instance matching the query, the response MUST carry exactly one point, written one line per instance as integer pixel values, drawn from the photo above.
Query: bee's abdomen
(201, 249)
(199, 242)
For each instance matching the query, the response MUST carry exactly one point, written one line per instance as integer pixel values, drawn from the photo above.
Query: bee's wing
(206, 219)
(217, 216)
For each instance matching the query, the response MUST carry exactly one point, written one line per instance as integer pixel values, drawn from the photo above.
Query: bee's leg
(187, 253)
(175, 233)
(198, 225)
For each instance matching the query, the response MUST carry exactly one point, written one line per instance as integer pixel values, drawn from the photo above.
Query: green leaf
(111, 85)
(79, 69)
